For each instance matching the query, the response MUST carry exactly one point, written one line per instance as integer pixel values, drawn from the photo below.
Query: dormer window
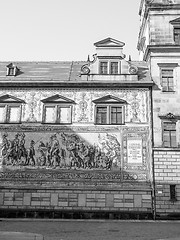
(57, 110)
(103, 67)
(114, 68)
(12, 70)
(109, 67)
(109, 110)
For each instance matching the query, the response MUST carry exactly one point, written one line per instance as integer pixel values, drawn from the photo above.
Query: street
(94, 230)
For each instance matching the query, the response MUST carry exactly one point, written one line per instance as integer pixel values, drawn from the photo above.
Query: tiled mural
(61, 150)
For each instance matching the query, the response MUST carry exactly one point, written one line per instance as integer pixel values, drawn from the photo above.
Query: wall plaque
(134, 151)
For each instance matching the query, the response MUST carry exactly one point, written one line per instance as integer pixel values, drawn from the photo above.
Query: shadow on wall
(60, 151)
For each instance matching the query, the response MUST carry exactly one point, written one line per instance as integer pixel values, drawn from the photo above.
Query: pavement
(20, 236)
(63, 229)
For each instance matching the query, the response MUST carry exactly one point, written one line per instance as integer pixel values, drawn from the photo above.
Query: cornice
(161, 48)
(77, 84)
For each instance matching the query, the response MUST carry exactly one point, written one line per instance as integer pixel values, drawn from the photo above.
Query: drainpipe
(152, 154)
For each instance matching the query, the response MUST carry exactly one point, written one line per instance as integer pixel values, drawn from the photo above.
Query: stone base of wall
(73, 214)
(77, 202)
(167, 172)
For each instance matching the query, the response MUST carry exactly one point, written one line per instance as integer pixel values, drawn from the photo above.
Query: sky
(63, 30)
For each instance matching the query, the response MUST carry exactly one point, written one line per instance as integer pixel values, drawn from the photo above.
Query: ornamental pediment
(109, 42)
(10, 99)
(57, 99)
(110, 99)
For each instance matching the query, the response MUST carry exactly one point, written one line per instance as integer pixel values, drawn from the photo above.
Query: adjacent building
(159, 46)
(76, 136)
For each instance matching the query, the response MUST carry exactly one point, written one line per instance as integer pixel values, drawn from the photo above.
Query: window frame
(167, 66)
(7, 112)
(172, 191)
(118, 67)
(11, 71)
(174, 35)
(165, 121)
(108, 112)
(57, 107)
(109, 64)
(168, 82)
(100, 67)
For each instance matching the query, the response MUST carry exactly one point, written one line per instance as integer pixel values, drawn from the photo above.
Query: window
(109, 114)
(57, 110)
(10, 109)
(109, 67)
(177, 36)
(169, 134)
(167, 80)
(10, 113)
(167, 76)
(109, 110)
(114, 68)
(176, 26)
(57, 114)
(103, 67)
(12, 69)
(173, 192)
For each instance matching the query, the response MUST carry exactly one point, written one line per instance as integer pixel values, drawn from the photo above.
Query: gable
(57, 99)
(109, 99)
(10, 99)
(109, 42)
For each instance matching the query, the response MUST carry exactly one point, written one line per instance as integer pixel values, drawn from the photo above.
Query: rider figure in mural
(22, 149)
(5, 148)
(54, 151)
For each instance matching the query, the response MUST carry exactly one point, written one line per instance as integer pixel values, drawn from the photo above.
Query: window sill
(168, 91)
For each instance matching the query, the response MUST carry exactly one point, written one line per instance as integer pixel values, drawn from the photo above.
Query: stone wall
(167, 172)
(75, 200)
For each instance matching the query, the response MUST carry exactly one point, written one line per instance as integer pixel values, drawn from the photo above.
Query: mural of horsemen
(61, 150)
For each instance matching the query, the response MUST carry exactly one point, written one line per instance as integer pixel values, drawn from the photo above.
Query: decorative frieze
(83, 111)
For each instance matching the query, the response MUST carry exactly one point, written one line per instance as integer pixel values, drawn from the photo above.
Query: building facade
(76, 136)
(159, 46)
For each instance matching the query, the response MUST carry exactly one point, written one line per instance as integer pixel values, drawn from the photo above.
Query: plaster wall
(161, 30)
(95, 167)
(164, 102)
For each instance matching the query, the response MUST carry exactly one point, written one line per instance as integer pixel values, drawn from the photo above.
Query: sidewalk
(20, 236)
(59, 229)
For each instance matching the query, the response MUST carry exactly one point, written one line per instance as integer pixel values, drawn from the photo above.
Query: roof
(61, 73)
(39, 71)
